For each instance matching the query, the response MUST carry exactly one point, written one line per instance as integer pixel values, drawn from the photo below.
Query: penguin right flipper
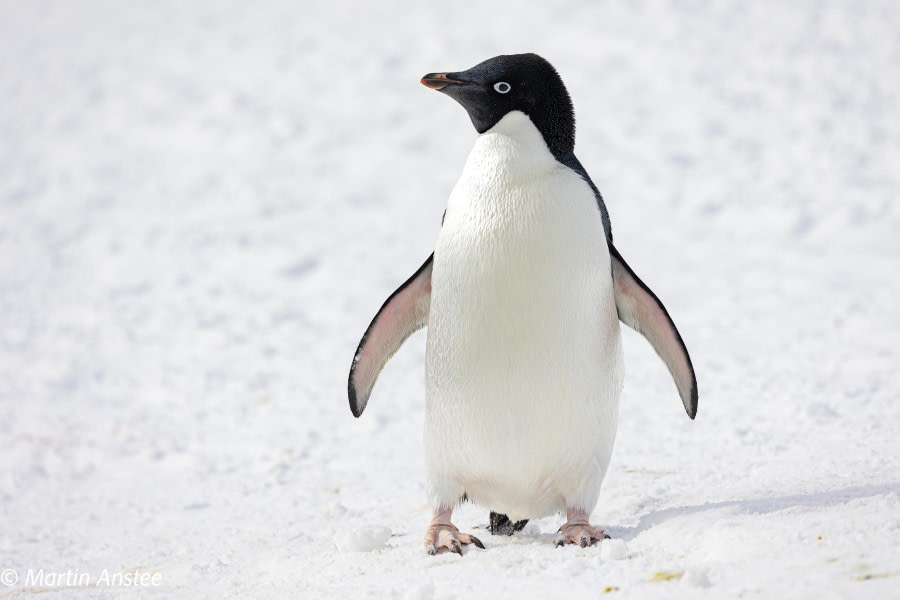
(402, 314)
(640, 309)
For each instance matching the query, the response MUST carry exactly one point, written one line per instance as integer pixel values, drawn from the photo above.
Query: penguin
(522, 298)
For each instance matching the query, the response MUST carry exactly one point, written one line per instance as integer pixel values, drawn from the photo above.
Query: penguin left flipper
(640, 309)
(402, 314)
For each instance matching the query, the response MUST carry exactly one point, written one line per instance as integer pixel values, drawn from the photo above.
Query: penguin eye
(502, 87)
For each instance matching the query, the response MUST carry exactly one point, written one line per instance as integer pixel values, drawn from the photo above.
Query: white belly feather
(524, 359)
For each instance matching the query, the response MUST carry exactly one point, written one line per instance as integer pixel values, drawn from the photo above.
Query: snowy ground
(203, 204)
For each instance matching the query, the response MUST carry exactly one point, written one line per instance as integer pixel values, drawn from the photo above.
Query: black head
(524, 82)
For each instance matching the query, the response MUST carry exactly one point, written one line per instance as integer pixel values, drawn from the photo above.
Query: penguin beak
(438, 81)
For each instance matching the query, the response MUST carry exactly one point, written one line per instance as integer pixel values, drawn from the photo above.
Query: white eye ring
(502, 87)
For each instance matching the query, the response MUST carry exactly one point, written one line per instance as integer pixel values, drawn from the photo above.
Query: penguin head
(514, 82)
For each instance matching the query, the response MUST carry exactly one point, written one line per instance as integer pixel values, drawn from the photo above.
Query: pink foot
(578, 530)
(443, 536)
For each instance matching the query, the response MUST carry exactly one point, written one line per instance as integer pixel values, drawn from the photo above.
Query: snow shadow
(757, 506)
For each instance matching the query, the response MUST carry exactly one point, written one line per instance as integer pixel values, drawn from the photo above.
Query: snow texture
(361, 539)
(613, 549)
(203, 204)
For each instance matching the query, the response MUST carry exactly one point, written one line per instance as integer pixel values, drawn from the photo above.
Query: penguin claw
(577, 530)
(445, 537)
(577, 536)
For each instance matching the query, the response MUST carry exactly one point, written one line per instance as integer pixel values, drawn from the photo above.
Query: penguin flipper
(640, 309)
(402, 314)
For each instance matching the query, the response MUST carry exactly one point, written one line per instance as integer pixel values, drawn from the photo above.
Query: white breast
(524, 366)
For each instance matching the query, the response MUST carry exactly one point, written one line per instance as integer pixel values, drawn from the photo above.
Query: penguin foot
(578, 530)
(443, 536)
(447, 538)
(502, 525)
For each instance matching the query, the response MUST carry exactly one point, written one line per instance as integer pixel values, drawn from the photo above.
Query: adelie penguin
(522, 298)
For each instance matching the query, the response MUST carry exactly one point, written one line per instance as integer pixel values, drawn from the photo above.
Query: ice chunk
(695, 578)
(361, 539)
(613, 549)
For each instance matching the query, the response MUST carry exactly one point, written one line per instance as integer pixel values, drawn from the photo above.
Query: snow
(695, 578)
(613, 549)
(361, 539)
(203, 204)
